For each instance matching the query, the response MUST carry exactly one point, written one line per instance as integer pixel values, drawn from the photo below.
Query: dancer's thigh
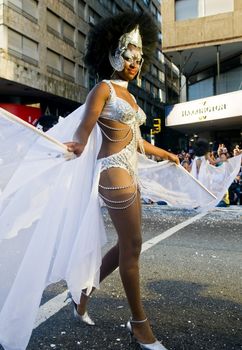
(127, 221)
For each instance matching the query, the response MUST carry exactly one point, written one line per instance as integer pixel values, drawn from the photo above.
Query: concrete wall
(199, 32)
(19, 70)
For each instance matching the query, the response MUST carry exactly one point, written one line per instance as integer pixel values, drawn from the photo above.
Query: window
(161, 76)
(68, 68)
(141, 103)
(154, 71)
(230, 81)
(81, 41)
(155, 92)
(159, 17)
(160, 56)
(93, 16)
(26, 7)
(22, 46)
(31, 7)
(82, 76)
(81, 8)
(143, 82)
(30, 48)
(201, 89)
(162, 95)
(53, 61)
(187, 9)
(53, 23)
(68, 32)
(214, 7)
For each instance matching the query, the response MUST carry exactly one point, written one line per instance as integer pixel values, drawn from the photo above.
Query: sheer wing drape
(50, 222)
(173, 184)
(51, 226)
(217, 179)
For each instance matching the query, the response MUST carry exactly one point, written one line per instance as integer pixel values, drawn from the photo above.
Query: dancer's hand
(173, 158)
(75, 147)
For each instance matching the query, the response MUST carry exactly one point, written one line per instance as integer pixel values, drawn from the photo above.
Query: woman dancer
(117, 49)
(51, 226)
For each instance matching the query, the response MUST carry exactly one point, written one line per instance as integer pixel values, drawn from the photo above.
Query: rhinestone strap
(118, 202)
(119, 140)
(126, 206)
(117, 187)
(110, 127)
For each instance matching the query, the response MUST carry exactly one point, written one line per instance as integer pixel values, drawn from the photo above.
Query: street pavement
(191, 285)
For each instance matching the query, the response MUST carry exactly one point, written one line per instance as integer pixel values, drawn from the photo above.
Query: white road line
(50, 308)
(148, 244)
(55, 304)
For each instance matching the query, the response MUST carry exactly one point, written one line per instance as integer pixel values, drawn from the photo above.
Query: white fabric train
(217, 179)
(51, 226)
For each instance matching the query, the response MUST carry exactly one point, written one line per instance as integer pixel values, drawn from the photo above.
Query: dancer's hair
(104, 37)
(201, 147)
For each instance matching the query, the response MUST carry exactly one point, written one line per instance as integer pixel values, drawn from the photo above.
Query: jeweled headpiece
(134, 38)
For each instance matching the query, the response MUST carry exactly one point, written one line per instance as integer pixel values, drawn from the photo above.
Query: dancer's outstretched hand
(173, 158)
(75, 147)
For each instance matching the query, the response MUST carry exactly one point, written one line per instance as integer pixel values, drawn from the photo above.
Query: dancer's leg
(127, 223)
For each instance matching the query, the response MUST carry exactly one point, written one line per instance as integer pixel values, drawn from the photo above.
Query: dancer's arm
(156, 151)
(95, 102)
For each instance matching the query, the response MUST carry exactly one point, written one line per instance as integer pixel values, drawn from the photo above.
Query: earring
(138, 75)
(114, 71)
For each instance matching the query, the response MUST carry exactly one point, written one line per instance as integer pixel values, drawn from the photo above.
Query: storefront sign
(27, 113)
(206, 109)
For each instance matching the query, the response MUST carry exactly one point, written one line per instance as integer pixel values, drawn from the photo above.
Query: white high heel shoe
(153, 346)
(85, 318)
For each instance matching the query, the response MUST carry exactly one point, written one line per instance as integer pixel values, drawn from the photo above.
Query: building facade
(42, 45)
(204, 39)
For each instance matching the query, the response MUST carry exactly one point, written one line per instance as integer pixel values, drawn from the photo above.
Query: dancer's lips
(132, 71)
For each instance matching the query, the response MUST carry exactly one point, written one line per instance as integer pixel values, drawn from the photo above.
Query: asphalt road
(191, 287)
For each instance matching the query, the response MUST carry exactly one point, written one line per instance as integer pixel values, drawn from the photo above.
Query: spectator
(186, 165)
(234, 191)
(225, 201)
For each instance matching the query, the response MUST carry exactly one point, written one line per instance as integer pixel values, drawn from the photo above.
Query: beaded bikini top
(118, 109)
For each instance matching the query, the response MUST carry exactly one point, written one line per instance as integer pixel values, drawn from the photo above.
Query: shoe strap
(141, 321)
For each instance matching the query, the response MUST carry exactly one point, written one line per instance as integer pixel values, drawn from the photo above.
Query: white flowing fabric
(173, 184)
(217, 179)
(51, 227)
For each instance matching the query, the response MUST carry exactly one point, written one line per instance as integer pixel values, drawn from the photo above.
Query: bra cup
(118, 109)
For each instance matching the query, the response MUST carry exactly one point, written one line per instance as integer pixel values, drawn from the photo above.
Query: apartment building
(204, 39)
(42, 44)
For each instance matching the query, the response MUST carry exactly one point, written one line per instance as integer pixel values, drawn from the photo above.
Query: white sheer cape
(217, 179)
(51, 227)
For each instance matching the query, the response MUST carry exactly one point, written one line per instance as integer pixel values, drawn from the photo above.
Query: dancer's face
(132, 62)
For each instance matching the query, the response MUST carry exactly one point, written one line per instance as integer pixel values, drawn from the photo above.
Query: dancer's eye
(132, 60)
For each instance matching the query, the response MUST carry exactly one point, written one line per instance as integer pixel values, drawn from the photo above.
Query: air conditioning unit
(91, 20)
